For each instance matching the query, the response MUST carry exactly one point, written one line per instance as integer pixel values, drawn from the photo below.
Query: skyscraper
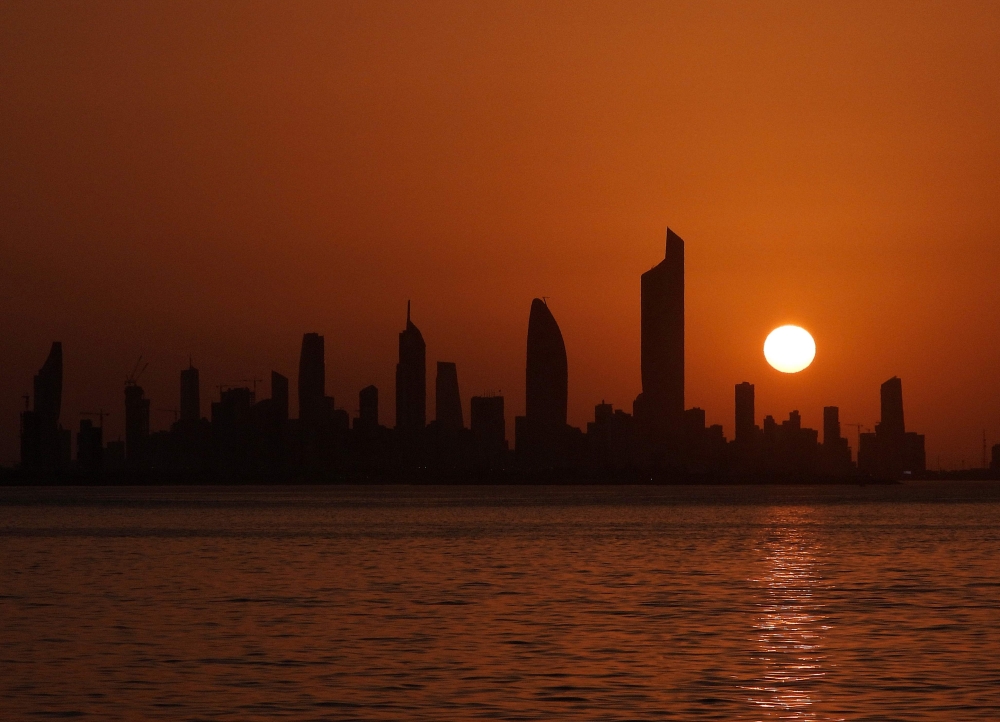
(367, 408)
(48, 388)
(136, 425)
(746, 421)
(312, 378)
(411, 378)
(44, 444)
(662, 308)
(892, 407)
(190, 394)
(546, 371)
(540, 436)
(831, 426)
(447, 401)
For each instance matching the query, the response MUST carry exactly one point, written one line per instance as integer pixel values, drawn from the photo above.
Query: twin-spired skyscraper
(661, 405)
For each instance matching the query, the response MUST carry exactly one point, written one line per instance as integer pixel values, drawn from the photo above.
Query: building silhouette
(447, 401)
(190, 394)
(661, 406)
(891, 452)
(836, 454)
(367, 408)
(540, 435)
(488, 429)
(89, 447)
(45, 445)
(746, 421)
(313, 405)
(279, 396)
(411, 378)
(136, 426)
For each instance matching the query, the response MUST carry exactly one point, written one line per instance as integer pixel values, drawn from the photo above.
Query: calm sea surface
(450, 603)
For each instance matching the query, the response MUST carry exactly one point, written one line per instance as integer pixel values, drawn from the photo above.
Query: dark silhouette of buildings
(447, 401)
(314, 406)
(836, 454)
(411, 378)
(489, 429)
(540, 435)
(279, 396)
(891, 452)
(247, 438)
(136, 426)
(45, 445)
(89, 447)
(746, 422)
(190, 395)
(660, 409)
(367, 408)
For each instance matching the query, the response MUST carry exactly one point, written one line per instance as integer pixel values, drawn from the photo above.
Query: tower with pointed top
(411, 378)
(663, 348)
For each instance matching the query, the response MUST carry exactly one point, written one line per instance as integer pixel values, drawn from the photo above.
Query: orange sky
(215, 179)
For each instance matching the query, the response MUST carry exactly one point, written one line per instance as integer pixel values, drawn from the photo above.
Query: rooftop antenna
(407, 312)
(545, 300)
(133, 377)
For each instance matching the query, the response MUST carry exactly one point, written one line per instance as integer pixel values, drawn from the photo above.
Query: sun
(789, 349)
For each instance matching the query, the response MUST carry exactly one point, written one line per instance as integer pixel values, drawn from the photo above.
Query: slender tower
(411, 378)
(663, 347)
(447, 401)
(312, 378)
(546, 374)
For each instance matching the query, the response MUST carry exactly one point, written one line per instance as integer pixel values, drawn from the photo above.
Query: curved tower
(546, 376)
(663, 346)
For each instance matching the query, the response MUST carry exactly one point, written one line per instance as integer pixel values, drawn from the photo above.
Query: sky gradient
(215, 179)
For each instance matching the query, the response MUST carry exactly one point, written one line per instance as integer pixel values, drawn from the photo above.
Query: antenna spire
(407, 311)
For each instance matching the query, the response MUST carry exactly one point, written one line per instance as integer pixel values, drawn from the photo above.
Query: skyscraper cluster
(246, 437)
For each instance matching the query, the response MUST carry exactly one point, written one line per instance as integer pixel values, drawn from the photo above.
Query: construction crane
(133, 377)
(100, 414)
(253, 397)
(857, 449)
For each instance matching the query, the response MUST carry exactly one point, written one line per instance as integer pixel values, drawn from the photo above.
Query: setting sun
(789, 349)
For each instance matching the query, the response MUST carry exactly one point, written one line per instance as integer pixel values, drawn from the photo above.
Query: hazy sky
(214, 179)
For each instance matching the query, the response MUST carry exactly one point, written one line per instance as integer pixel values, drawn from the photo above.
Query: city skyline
(224, 191)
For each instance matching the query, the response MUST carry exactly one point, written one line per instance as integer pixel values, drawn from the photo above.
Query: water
(413, 603)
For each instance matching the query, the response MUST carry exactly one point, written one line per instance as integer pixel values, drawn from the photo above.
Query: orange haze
(215, 179)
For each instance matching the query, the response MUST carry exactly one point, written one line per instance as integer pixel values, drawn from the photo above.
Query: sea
(501, 603)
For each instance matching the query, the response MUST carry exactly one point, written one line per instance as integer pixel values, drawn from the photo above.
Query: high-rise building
(662, 308)
(44, 444)
(831, 426)
(190, 394)
(892, 407)
(411, 378)
(546, 372)
(367, 408)
(891, 452)
(312, 379)
(48, 387)
(136, 425)
(746, 420)
(279, 396)
(89, 446)
(447, 401)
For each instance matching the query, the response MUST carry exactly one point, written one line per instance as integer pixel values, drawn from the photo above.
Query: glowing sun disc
(789, 349)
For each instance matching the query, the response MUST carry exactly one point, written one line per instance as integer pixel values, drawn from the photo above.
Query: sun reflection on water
(789, 624)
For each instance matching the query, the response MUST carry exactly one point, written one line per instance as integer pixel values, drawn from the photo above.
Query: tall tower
(48, 388)
(546, 371)
(190, 394)
(447, 401)
(831, 425)
(663, 345)
(279, 395)
(312, 378)
(411, 378)
(745, 418)
(892, 408)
